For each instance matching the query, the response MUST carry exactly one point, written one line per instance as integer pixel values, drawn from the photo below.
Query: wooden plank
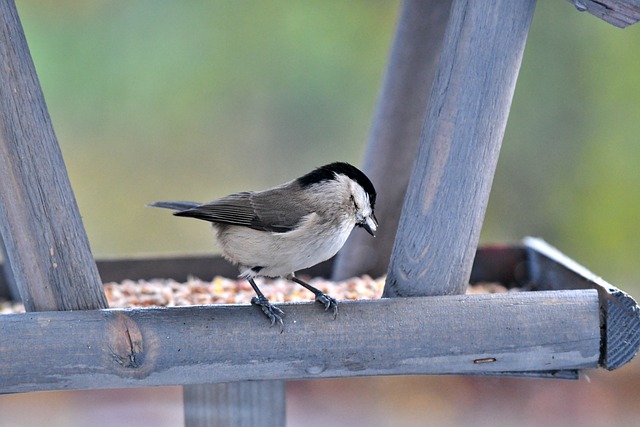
(40, 224)
(462, 334)
(550, 269)
(620, 13)
(450, 184)
(395, 131)
(241, 404)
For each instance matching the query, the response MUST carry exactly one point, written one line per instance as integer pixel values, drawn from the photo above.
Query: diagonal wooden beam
(395, 131)
(46, 245)
(463, 129)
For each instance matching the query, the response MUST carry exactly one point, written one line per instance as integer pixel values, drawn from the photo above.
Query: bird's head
(355, 188)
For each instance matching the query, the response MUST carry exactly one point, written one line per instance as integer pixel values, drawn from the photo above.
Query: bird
(296, 225)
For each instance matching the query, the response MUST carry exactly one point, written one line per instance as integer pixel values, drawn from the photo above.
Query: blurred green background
(160, 100)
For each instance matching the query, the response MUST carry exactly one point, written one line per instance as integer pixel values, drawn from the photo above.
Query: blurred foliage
(171, 100)
(160, 100)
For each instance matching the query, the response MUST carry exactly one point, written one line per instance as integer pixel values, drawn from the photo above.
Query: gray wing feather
(270, 210)
(176, 206)
(279, 209)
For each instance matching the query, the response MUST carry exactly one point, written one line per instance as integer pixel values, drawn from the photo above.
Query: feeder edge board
(620, 13)
(551, 269)
(520, 333)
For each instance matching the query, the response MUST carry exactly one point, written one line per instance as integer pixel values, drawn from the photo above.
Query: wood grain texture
(450, 184)
(45, 241)
(395, 131)
(622, 337)
(463, 334)
(620, 13)
(241, 404)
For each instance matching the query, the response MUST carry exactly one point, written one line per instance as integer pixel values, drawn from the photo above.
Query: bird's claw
(328, 302)
(271, 311)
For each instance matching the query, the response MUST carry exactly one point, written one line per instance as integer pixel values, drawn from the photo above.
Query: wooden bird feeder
(563, 320)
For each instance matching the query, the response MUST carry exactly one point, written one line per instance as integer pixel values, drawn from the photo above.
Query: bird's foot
(271, 311)
(328, 303)
(321, 297)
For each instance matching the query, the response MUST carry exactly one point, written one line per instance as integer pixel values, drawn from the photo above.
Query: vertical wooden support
(241, 404)
(46, 245)
(463, 129)
(395, 132)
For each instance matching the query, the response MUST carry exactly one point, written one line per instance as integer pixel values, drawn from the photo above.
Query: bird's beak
(370, 224)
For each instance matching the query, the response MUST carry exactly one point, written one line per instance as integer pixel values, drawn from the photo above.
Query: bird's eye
(355, 205)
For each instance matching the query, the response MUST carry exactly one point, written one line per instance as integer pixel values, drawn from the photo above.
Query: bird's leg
(271, 311)
(321, 297)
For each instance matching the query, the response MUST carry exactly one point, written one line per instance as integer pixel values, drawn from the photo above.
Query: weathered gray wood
(241, 404)
(395, 131)
(620, 13)
(550, 269)
(622, 333)
(450, 184)
(461, 334)
(40, 225)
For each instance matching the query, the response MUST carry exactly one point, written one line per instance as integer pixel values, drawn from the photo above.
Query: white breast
(280, 254)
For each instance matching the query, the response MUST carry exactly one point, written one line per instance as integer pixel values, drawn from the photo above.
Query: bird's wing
(278, 209)
(263, 211)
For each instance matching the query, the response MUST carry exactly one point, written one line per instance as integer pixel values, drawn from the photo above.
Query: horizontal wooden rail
(453, 331)
(520, 332)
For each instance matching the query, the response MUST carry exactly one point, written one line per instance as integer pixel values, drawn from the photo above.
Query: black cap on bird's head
(328, 172)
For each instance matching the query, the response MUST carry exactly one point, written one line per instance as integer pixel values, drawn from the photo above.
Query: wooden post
(463, 129)
(247, 403)
(395, 132)
(46, 245)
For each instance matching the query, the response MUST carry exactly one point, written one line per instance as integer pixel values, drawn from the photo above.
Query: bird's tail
(176, 206)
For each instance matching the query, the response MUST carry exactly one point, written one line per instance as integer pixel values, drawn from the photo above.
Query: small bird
(296, 225)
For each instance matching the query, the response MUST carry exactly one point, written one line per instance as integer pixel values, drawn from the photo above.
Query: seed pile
(170, 293)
